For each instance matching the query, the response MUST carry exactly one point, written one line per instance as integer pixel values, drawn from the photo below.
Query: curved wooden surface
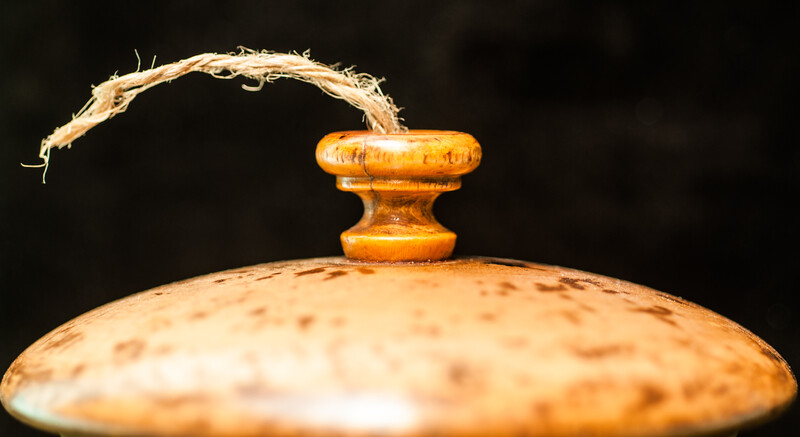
(467, 347)
(414, 154)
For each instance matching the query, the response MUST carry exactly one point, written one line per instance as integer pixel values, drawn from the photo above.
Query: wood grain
(398, 177)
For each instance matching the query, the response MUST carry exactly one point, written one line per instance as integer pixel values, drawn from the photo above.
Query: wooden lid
(331, 346)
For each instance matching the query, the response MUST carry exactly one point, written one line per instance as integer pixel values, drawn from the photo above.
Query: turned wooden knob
(398, 176)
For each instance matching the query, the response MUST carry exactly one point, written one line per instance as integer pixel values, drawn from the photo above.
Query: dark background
(651, 141)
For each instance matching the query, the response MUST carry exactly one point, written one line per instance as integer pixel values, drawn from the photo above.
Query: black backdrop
(655, 142)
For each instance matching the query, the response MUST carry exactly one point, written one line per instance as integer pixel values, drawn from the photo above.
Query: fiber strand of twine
(114, 95)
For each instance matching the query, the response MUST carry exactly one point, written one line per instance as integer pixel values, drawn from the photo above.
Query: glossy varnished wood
(467, 347)
(398, 177)
(393, 347)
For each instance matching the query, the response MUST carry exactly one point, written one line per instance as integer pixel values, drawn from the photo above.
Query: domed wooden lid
(330, 346)
(340, 346)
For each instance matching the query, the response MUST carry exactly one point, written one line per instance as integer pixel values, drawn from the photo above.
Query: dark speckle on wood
(77, 370)
(198, 315)
(572, 317)
(720, 390)
(365, 270)
(510, 263)
(542, 409)
(659, 312)
(592, 353)
(673, 299)
(549, 288)
(335, 274)
(772, 355)
(692, 389)
(63, 341)
(458, 373)
(310, 272)
(507, 285)
(305, 322)
(507, 263)
(576, 283)
(657, 309)
(128, 350)
(257, 311)
(650, 396)
(487, 317)
(572, 283)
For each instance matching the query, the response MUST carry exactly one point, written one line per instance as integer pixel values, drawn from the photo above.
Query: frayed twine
(114, 95)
